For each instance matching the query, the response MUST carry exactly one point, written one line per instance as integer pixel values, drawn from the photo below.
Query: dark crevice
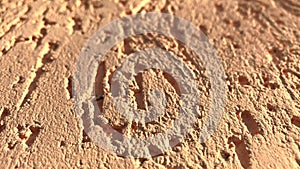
(11, 145)
(241, 151)
(243, 80)
(35, 131)
(249, 121)
(47, 58)
(85, 137)
(39, 39)
(78, 24)
(99, 89)
(296, 121)
(33, 85)
(4, 114)
(173, 82)
(48, 22)
(139, 94)
(298, 161)
(69, 87)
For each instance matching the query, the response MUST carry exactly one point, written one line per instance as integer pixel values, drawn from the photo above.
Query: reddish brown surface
(258, 42)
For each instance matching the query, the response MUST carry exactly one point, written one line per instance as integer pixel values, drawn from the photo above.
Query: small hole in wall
(296, 121)
(85, 137)
(271, 107)
(243, 80)
(35, 131)
(43, 31)
(21, 79)
(225, 155)
(62, 144)
(11, 145)
(203, 29)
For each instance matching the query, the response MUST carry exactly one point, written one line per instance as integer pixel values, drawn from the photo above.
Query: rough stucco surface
(258, 42)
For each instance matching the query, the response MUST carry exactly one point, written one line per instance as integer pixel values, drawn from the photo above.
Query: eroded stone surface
(258, 42)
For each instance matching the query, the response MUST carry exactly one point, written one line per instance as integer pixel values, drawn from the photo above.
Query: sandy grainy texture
(258, 42)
